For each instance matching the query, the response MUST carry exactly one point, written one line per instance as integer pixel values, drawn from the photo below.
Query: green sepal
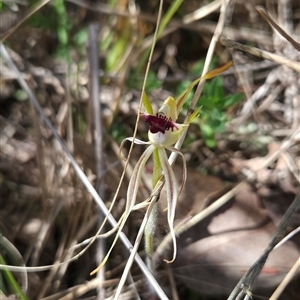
(181, 99)
(194, 115)
(147, 104)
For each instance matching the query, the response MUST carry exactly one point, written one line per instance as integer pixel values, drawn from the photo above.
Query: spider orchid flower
(163, 133)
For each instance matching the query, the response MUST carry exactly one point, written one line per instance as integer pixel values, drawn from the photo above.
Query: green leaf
(21, 95)
(81, 37)
(232, 99)
(175, 4)
(207, 102)
(207, 130)
(62, 35)
(211, 143)
(115, 53)
(197, 67)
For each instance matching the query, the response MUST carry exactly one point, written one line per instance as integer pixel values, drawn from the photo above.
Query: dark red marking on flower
(159, 123)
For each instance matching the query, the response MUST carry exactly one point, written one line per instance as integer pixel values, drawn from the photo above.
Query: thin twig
(97, 137)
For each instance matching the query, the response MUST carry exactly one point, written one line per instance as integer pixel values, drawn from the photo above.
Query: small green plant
(80, 39)
(9, 284)
(214, 104)
(63, 27)
(55, 18)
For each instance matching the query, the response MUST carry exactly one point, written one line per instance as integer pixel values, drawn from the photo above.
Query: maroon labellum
(159, 123)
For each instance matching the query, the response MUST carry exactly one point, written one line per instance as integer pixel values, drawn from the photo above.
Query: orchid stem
(152, 223)
(149, 235)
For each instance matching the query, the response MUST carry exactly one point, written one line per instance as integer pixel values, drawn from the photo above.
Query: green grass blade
(12, 281)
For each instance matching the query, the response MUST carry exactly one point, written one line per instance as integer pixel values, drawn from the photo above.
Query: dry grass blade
(211, 50)
(261, 53)
(97, 137)
(264, 14)
(79, 290)
(202, 12)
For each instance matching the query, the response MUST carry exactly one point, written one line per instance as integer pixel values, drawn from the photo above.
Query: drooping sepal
(172, 195)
